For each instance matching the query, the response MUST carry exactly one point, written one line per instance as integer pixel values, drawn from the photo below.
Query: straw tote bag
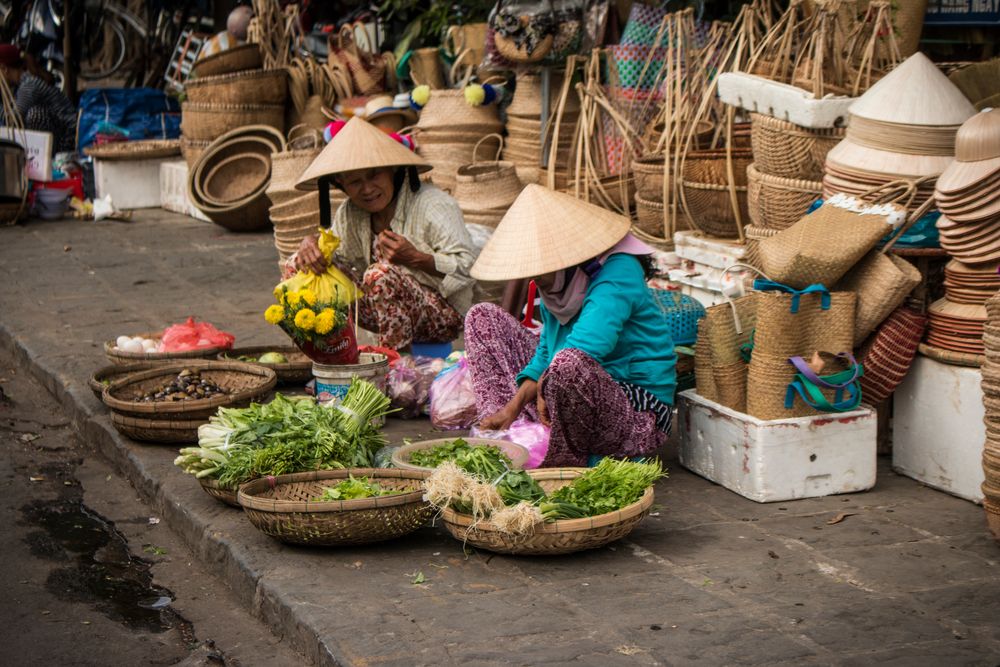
(723, 334)
(891, 353)
(825, 244)
(487, 185)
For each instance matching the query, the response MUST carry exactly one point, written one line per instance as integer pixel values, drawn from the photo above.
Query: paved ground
(909, 578)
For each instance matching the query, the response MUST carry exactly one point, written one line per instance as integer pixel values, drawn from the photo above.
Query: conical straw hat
(545, 231)
(915, 93)
(977, 152)
(359, 145)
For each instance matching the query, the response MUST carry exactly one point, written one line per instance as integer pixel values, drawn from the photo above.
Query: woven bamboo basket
(242, 382)
(108, 374)
(259, 86)
(207, 121)
(447, 110)
(705, 191)
(517, 454)
(285, 508)
(147, 149)
(301, 202)
(225, 496)
(650, 217)
(775, 202)
(648, 172)
(192, 150)
(287, 167)
(236, 59)
(784, 149)
(992, 508)
(555, 538)
(891, 354)
(297, 369)
(753, 236)
(122, 358)
(486, 185)
(231, 179)
(165, 431)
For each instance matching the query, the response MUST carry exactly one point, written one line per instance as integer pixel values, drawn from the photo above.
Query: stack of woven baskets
(524, 130)
(785, 178)
(448, 131)
(991, 400)
(229, 90)
(485, 190)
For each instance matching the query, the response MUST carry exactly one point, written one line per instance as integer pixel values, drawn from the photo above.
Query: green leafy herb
(488, 462)
(354, 488)
(607, 487)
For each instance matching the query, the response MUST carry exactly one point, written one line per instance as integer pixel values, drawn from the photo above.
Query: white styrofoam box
(784, 459)
(37, 151)
(937, 427)
(755, 93)
(173, 190)
(131, 183)
(706, 250)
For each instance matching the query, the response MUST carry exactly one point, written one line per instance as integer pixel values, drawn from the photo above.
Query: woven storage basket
(147, 149)
(287, 167)
(284, 507)
(784, 149)
(212, 488)
(259, 150)
(992, 508)
(517, 454)
(236, 59)
(782, 333)
(650, 217)
(243, 382)
(777, 203)
(705, 191)
(166, 431)
(648, 172)
(235, 177)
(486, 185)
(447, 110)
(208, 121)
(108, 374)
(297, 369)
(259, 86)
(192, 150)
(767, 383)
(301, 202)
(753, 236)
(882, 283)
(891, 354)
(122, 358)
(555, 538)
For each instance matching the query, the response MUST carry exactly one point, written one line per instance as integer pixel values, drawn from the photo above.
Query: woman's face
(369, 189)
(546, 281)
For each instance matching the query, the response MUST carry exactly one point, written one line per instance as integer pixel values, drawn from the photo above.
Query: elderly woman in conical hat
(404, 241)
(602, 372)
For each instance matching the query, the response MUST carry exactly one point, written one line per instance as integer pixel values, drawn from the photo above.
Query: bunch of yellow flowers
(300, 315)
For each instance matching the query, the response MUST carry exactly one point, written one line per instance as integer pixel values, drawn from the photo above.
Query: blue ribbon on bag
(769, 285)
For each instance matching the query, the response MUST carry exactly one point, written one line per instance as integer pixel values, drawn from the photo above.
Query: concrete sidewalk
(909, 578)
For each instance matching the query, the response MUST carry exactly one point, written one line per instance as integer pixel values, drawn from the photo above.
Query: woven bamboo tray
(243, 382)
(225, 496)
(284, 507)
(149, 149)
(122, 358)
(556, 538)
(236, 59)
(298, 368)
(517, 454)
(108, 374)
(159, 431)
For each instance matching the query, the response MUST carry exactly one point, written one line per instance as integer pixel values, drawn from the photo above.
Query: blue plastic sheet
(144, 113)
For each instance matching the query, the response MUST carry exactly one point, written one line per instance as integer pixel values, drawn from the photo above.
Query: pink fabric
(589, 411)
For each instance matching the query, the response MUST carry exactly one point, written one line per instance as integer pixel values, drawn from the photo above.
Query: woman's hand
(398, 250)
(502, 420)
(309, 256)
(543, 410)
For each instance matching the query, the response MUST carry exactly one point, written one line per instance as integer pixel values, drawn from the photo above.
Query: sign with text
(963, 12)
(37, 148)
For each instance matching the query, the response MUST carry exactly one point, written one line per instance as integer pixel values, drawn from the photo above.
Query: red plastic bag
(193, 336)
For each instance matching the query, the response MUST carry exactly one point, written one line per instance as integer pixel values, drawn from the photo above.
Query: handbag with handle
(367, 67)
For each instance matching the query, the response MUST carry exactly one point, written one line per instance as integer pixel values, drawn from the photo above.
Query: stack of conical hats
(991, 401)
(904, 127)
(524, 128)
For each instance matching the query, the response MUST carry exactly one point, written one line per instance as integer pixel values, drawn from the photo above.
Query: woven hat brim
(359, 145)
(546, 231)
(850, 154)
(960, 176)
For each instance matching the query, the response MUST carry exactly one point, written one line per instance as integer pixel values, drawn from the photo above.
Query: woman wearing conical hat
(403, 241)
(602, 372)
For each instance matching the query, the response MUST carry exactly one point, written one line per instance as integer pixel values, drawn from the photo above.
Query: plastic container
(332, 382)
(432, 350)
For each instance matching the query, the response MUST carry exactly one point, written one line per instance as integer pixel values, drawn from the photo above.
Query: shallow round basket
(212, 488)
(517, 454)
(170, 431)
(146, 149)
(243, 383)
(123, 358)
(556, 538)
(285, 507)
(234, 177)
(108, 374)
(298, 368)
(236, 59)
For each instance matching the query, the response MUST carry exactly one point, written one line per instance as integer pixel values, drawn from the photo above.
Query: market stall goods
(402, 457)
(991, 402)
(259, 86)
(236, 59)
(709, 179)
(778, 202)
(146, 149)
(206, 121)
(485, 189)
(288, 363)
(106, 375)
(124, 357)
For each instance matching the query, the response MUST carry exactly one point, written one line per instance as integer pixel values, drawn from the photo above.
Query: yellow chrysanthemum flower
(308, 296)
(324, 321)
(305, 319)
(274, 314)
(279, 294)
(293, 298)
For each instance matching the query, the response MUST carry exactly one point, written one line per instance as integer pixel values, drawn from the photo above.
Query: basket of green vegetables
(289, 363)
(337, 507)
(429, 454)
(543, 512)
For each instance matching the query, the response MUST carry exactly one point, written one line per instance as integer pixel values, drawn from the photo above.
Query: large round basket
(648, 172)
(258, 86)
(706, 191)
(231, 60)
(242, 382)
(775, 202)
(297, 369)
(556, 538)
(784, 149)
(517, 454)
(160, 431)
(212, 488)
(286, 507)
(108, 374)
(206, 121)
(123, 358)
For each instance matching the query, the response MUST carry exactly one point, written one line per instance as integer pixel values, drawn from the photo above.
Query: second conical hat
(359, 145)
(546, 231)
(915, 93)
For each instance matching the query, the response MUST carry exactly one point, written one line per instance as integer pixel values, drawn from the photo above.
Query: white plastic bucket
(332, 382)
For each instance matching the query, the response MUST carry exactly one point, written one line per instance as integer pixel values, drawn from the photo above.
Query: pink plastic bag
(453, 401)
(193, 336)
(409, 384)
(533, 436)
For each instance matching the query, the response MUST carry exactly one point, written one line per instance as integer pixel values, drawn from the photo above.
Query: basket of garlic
(126, 350)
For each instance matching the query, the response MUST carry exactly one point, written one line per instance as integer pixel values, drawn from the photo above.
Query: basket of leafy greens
(337, 507)
(429, 454)
(543, 512)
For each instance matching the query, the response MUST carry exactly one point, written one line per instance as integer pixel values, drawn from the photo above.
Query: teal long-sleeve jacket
(620, 326)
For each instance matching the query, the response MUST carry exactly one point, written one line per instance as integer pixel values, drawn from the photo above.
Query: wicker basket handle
(307, 132)
(475, 150)
(912, 220)
(452, 73)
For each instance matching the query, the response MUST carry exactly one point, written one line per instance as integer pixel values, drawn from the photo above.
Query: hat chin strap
(325, 220)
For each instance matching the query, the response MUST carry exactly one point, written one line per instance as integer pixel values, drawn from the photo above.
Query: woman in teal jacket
(602, 371)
